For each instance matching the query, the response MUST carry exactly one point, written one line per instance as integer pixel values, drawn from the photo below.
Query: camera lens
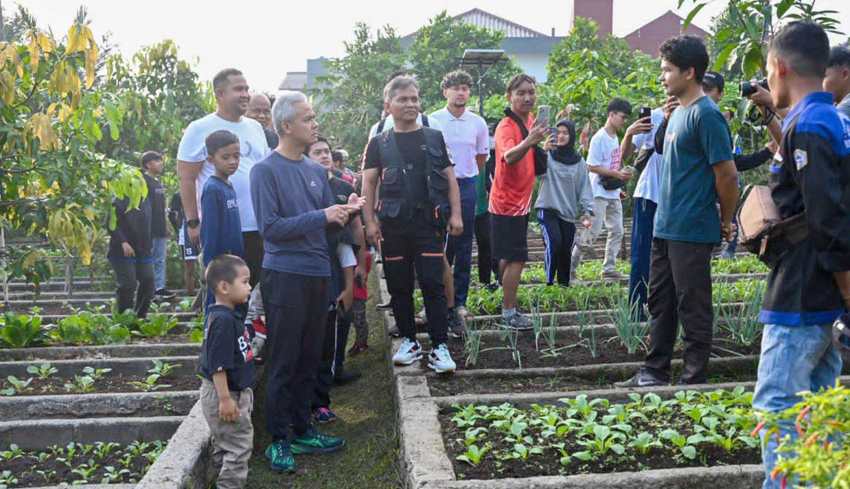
(748, 90)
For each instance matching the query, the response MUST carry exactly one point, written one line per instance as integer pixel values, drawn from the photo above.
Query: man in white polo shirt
(193, 169)
(468, 142)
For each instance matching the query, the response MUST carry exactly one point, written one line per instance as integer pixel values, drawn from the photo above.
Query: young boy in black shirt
(227, 367)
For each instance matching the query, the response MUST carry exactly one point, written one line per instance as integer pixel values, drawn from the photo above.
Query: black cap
(714, 79)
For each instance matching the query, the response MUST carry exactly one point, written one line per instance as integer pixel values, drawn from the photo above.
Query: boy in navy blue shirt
(227, 368)
(221, 229)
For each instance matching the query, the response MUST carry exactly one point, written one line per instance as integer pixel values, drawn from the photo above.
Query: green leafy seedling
(473, 454)
(18, 386)
(43, 371)
(96, 373)
(82, 384)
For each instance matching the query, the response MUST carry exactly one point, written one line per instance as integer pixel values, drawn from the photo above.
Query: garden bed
(98, 463)
(592, 436)
(106, 384)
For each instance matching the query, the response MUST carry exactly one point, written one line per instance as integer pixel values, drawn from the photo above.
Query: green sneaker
(314, 442)
(280, 456)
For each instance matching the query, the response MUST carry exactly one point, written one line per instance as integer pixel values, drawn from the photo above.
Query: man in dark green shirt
(697, 171)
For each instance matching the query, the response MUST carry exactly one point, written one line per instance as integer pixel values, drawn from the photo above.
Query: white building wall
(533, 64)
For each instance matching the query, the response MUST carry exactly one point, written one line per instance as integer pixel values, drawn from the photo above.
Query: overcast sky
(265, 39)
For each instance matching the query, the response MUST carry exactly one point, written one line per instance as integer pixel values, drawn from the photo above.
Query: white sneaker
(441, 360)
(408, 352)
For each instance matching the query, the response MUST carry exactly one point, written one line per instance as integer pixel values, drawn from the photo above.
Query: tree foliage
(157, 96)
(747, 25)
(435, 51)
(586, 72)
(54, 182)
(349, 98)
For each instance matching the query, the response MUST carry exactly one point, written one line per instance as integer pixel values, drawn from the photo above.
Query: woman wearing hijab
(565, 185)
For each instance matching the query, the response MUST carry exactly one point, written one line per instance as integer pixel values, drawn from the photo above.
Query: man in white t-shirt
(193, 170)
(604, 162)
(646, 200)
(468, 142)
(387, 123)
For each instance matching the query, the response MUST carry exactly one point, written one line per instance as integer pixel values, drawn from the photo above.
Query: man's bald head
(260, 109)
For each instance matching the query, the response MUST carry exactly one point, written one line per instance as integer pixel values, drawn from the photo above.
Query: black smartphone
(644, 113)
(553, 131)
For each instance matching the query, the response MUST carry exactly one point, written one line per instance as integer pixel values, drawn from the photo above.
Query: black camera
(748, 90)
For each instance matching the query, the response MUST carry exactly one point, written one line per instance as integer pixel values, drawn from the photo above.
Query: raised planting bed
(72, 406)
(692, 429)
(98, 376)
(96, 328)
(77, 463)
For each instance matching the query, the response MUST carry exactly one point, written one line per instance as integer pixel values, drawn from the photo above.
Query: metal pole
(4, 266)
(480, 89)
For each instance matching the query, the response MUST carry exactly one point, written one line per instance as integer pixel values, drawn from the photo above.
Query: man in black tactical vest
(419, 202)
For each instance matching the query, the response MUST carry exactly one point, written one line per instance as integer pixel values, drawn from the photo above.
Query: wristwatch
(193, 223)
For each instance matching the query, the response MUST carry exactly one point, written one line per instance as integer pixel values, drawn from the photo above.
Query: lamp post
(484, 60)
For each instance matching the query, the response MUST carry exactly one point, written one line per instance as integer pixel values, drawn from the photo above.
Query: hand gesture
(550, 143)
(762, 97)
(455, 226)
(339, 213)
(128, 250)
(565, 114)
(373, 234)
(194, 235)
(772, 146)
(727, 230)
(346, 298)
(538, 133)
(228, 410)
(640, 126)
(356, 201)
(670, 106)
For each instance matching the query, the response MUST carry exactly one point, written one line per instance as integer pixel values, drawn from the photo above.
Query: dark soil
(448, 385)
(55, 469)
(610, 350)
(548, 463)
(107, 384)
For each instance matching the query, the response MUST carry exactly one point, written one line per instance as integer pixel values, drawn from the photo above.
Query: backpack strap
(381, 126)
(425, 121)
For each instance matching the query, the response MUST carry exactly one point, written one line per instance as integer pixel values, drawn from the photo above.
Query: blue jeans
(793, 359)
(459, 248)
(159, 245)
(642, 226)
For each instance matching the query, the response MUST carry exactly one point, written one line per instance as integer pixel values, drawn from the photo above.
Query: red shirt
(510, 194)
(363, 292)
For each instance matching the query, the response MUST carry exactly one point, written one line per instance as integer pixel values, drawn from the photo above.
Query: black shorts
(509, 237)
(252, 253)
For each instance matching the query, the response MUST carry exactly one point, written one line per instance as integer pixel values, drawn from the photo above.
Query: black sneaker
(164, 294)
(456, 326)
(642, 379)
(346, 376)
(394, 332)
(385, 305)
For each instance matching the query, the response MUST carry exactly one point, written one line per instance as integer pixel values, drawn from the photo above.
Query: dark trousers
(325, 372)
(418, 243)
(135, 286)
(296, 309)
(252, 253)
(343, 326)
(680, 289)
(487, 266)
(459, 248)
(642, 226)
(558, 236)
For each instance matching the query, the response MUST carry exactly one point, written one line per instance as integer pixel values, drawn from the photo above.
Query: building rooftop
(294, 80)
(480, 18)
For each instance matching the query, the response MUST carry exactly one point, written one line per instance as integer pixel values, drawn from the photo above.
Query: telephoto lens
(747, 89)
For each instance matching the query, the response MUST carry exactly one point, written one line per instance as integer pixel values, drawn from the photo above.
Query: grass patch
(367, 421)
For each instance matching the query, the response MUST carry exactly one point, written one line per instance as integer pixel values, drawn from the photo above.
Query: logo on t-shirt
(801, 159)
(616, 160)
(313, 183)
(245, 347)
(232, 204)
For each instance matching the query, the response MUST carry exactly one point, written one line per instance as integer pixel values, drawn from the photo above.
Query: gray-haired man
(294, 204)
